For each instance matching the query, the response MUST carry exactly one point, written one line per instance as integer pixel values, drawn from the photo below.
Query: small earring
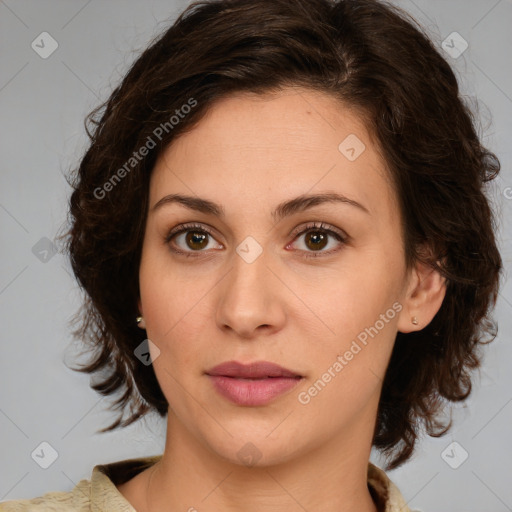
(140, 322)
(414, 320)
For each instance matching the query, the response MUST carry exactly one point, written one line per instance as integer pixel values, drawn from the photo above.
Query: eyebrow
(284, 209)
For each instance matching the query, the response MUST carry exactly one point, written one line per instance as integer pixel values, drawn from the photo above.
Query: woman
(281, 230)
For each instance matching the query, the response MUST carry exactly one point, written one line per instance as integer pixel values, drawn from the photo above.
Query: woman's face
(255, 271)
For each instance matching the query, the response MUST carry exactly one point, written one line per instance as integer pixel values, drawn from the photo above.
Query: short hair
(373, 58)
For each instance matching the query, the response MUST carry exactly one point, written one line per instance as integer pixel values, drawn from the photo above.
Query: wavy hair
(372, 57)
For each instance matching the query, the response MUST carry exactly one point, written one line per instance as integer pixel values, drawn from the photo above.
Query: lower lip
(253, 392)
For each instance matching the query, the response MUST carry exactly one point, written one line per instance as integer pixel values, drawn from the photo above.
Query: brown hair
(372, 57)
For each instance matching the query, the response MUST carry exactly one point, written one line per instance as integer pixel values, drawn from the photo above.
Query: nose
(250, 298)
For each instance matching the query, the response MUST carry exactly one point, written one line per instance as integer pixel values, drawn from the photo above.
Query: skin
(250, 153)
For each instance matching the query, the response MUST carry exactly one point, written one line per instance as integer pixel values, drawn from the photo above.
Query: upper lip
(255, 370)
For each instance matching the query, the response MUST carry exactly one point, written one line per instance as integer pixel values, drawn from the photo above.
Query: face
(239, 265)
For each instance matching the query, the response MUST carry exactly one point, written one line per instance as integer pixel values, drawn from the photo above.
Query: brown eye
(187, 239)
(315, 237)
(196, 240)
(316, 240)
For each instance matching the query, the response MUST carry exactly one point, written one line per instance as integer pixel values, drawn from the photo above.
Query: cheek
(170, 295)
(347, 373)
(353, 298)
(168, 307)
(358, 314)
(175, 320)
(176, 323)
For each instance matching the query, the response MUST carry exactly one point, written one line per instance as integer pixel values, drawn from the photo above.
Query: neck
(331, 477)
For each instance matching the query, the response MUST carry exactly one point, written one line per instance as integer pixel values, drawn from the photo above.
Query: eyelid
(321, 226)
(188, 226)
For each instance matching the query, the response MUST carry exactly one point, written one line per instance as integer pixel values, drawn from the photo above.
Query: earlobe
(140, 319)
(425, 294)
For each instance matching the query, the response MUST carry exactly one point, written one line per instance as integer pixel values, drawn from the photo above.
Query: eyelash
(312, 226)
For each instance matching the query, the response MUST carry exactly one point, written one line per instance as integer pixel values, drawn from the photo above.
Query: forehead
(277, 145)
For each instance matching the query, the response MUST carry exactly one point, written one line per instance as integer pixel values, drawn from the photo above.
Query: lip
(252, 384)
(255, 370)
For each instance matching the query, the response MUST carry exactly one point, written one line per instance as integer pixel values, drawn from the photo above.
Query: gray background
(43, 103)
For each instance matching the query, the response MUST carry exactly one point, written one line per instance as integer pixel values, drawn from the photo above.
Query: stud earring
(414, 320)
(140, 322)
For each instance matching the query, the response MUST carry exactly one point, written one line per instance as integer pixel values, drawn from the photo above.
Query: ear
(425, 293)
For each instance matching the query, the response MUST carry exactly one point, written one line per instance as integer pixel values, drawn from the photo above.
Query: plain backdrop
(43, 101)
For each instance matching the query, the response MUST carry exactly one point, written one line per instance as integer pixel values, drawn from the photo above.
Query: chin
(253, 451)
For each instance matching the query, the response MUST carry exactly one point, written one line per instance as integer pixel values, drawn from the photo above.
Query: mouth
(253, 384)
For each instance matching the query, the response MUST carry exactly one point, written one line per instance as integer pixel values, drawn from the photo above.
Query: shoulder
(98, 493)
(384, 492)
(76, 500)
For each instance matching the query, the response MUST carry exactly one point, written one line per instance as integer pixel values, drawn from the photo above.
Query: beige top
(100, 494)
